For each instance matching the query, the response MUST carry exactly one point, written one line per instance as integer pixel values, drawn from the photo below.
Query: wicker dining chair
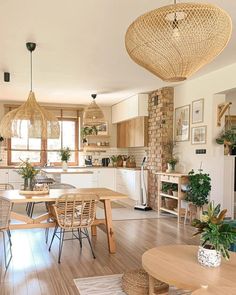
(5, 209)
(6, 186)
(74, 213)
(55, 185)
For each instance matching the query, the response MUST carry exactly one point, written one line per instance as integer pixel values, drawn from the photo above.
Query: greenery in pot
(168, 188)
(85, 131)
(227, 137)
(65, 154)
(114, 160)
(172, 162)
(198, 188)
(28, 173)
(215, 234)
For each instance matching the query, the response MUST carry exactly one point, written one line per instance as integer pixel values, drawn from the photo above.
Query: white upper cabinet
(132, 107)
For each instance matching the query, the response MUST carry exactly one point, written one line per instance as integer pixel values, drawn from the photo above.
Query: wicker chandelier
(175, 41)
(40, 122)
(93, 115)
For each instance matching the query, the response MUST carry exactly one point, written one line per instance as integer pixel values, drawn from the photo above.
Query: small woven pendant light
(41, 123)
(175, 41)
(93, 115)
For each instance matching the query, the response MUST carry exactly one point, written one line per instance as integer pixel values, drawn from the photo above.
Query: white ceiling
(80, 49)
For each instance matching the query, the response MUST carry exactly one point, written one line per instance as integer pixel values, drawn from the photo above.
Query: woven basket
(136, 282)
(171, 204)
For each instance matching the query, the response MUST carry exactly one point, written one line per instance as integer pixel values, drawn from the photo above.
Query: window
(46, 151)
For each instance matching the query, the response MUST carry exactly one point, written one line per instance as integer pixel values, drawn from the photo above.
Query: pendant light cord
(31, 71)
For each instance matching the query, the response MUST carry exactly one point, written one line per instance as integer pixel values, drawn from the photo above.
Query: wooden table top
(103, 193)
(177, 265)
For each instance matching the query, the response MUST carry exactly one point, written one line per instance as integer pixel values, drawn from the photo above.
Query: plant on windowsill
(28, 173)
(65, 155)
(216, 236)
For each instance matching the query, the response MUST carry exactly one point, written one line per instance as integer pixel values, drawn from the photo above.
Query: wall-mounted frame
(182, 122)
(102, 129)
(198, 111)
(199, 135)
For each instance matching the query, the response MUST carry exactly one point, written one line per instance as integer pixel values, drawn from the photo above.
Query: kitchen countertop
(77, 168)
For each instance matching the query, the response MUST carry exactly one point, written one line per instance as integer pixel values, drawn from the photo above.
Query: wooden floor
(34, 270)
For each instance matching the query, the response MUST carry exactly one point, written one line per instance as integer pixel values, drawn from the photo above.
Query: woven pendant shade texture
(93, 115)
(41, 123)
(173, 42)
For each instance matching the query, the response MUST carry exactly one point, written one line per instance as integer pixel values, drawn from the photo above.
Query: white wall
(206, 87)
(231, 97)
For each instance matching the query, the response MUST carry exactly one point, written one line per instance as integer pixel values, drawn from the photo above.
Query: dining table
(22, 221)
(177, 265)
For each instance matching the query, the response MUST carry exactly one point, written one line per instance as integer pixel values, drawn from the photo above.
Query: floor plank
(34, 270)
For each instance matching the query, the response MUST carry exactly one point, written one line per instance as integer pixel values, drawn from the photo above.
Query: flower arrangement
(215, 234)
(172, 161)
(28, 173)
(65, 154)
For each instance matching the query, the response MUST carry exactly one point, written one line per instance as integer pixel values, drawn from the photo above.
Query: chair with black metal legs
(5, 209)
(74, 213)
(49, 204)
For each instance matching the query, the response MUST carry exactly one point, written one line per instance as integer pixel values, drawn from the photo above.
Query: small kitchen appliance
(88, 161)
(105, 162)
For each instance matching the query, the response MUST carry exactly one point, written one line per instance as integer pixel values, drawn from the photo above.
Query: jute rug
(109, 285)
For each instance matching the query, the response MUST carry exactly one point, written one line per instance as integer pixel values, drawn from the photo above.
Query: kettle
(105, 162)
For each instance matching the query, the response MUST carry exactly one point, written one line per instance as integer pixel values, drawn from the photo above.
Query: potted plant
(169, 189)
(216, 236)
(228, 138)
(28, 173)
(171, 163)
(85, 131)
(65, 155)
(119, 161)
(198, 188)
(131, 162)
(114, 160)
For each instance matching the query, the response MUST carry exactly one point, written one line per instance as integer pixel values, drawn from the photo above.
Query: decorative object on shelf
(199, 135)
(198, 188)
(170, 204)
(86, 130)
(221, 109)
(171, 163)
(65, 155)
(198, 111)
(102, 129)
(182, 118)
(93, 115)
(120, 161)
(28, 173)
(169, 188)
(167, 40)
(41, 123)
(216, 236)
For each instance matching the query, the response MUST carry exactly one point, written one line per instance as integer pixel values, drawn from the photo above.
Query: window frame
(44, 151)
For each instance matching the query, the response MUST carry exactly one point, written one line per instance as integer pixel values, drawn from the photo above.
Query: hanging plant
(227, 137)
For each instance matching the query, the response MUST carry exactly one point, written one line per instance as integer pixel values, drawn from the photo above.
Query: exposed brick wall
(160, 132)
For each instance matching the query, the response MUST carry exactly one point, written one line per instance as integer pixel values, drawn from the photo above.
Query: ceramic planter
(64, 166)
(208, 257)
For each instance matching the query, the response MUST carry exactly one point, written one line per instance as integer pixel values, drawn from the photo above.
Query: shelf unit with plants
(170, 192)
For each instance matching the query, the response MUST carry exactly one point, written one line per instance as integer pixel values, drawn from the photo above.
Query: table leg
(151, 285)
(109, 228)
(94, 229)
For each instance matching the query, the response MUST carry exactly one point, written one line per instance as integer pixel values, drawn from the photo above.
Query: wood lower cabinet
(132, 133)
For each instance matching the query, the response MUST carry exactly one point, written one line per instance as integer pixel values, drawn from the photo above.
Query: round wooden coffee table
(177, 265)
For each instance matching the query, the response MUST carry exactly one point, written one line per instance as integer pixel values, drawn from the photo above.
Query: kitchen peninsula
(121, 179)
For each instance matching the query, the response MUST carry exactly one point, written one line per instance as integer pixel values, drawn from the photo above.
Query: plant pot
(209, 257)
(64, 166)
(175, 194)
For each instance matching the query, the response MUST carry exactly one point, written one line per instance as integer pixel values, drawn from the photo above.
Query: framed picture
(198, 111)
(103, 129)
(199, 135)
(182, 118)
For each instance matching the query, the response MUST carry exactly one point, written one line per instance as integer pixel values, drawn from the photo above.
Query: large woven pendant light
(175, 41)
(41, 123)
(93, 115)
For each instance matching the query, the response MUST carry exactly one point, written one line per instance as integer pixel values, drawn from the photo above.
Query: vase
(209, 257)
(64, 166)
(170, 168)
(26, 184)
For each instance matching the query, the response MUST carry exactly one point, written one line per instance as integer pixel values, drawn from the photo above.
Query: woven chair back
(75, 210)
(6, 186)
(5, 209)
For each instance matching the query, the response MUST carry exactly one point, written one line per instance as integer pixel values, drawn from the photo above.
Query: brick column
(160, 132)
